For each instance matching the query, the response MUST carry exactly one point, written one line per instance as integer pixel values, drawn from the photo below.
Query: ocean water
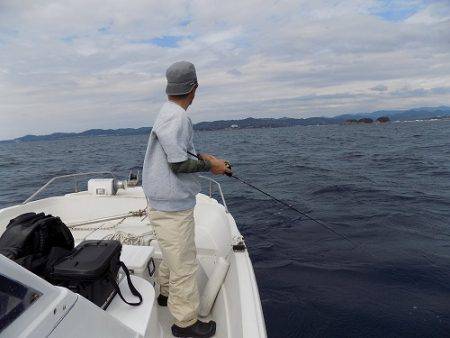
(387, 187)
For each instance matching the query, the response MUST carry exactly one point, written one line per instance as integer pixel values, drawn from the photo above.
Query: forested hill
(424, 113)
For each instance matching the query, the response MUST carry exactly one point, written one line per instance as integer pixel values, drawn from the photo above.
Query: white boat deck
(237, 309)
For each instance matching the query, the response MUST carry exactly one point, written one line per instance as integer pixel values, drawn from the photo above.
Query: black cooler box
(91, 270)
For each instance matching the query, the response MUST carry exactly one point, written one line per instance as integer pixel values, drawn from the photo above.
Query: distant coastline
(424, 113)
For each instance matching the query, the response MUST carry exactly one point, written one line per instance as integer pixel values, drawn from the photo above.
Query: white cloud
(77, 64)
(436, 12)
(379, 88)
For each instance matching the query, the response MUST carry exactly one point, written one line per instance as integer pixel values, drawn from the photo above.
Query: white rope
(138, 213)
(131, 239)
(97, 228)
(123, 237)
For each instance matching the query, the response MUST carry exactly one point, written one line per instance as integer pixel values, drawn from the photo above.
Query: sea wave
(385, 188)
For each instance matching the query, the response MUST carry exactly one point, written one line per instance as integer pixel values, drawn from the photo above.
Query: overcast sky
(81, 64)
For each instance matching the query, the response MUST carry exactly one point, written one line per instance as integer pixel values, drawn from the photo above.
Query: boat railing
(219, 189)
(56, 178)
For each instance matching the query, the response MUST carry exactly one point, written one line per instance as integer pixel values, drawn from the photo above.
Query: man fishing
(171, 185)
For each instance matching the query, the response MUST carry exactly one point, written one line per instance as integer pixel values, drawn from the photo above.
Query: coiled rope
(119, 235)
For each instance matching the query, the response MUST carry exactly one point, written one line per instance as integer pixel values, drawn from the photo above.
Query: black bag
(36, 241)
(92, 270)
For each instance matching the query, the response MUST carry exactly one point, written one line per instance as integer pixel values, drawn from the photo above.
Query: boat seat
(137, 258)
(142, 318)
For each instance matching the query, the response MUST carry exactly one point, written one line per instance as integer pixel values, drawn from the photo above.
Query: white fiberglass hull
(237, 309)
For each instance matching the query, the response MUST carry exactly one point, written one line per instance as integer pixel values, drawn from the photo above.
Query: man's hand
(218, 166)
(203, 156)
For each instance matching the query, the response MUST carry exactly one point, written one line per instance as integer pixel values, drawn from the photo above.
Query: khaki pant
(177, 274)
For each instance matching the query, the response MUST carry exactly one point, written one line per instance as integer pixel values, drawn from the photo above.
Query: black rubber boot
(197, 330)
(162, 300)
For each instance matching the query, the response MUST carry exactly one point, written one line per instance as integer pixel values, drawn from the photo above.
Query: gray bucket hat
(181, 78)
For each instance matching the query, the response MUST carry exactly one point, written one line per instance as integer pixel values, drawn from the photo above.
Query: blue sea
(386, 187)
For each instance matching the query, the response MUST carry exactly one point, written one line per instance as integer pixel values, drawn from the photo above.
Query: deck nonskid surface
(166, 320)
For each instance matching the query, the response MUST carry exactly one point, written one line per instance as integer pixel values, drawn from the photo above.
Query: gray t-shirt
(170, 140)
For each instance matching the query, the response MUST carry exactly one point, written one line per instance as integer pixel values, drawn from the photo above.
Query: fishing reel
(228, 165)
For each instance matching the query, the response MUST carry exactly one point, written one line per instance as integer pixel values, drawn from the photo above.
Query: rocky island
(368, 120)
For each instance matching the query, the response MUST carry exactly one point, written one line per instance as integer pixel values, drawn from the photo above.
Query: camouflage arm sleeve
(190, 166)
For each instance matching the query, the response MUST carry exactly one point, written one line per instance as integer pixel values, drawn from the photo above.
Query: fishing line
(290, 206)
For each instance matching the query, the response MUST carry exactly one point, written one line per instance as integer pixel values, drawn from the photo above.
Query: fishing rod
(290, 206)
